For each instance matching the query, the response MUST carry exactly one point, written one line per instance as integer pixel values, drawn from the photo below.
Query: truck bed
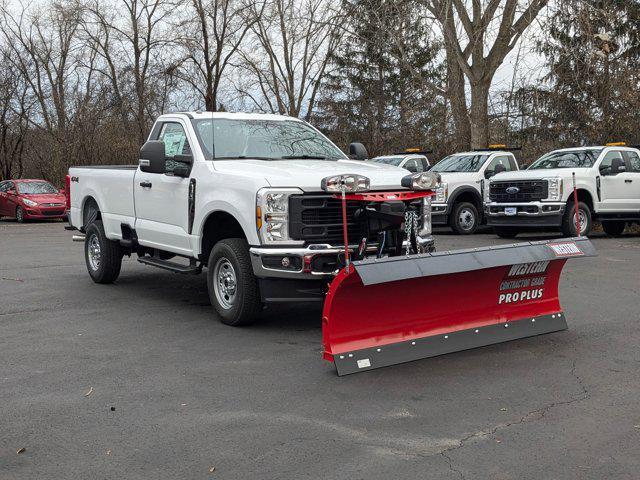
(111, 187)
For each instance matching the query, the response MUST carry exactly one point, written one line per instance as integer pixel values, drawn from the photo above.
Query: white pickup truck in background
(239, 194)
(607, 182)
(459, 199)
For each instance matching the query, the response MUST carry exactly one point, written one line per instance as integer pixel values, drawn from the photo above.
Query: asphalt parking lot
(175, 394)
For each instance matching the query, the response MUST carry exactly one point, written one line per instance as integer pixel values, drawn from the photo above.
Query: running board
(191, 269)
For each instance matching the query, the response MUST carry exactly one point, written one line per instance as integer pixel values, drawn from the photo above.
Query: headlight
(442, 192)
(555, 189)
(31, 203)
(272, 215)
(421, 181)
(348, 183)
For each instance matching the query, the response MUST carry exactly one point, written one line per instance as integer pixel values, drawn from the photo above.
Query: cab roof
(200, 115)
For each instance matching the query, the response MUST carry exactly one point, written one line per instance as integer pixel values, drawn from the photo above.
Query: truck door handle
(628, 180)
(146, 184)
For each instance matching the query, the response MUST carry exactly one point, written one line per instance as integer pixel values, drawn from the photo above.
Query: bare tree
(219, 28)
(289, 54)
(130, 45)
(476, 44)
(43, 52)
(14, 111)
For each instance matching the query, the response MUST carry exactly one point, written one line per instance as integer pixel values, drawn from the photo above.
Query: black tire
(613, 228)
(19, 214)
(506, 232)
(103, 263)
(464, 219)
(568, 223)
(236, 298)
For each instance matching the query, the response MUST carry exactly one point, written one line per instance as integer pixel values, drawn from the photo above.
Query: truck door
(633, 181)
(161, 200)
(616, 189)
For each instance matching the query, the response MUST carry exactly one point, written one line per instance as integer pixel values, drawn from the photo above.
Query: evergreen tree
(592, 52)
(382, 89)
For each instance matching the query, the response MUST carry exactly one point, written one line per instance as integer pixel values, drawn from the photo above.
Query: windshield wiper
(305, 157)
(245, 157)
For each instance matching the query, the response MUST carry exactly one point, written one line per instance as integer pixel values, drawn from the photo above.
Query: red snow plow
(398, 308)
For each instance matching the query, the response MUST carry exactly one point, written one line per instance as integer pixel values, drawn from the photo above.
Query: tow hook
(78, 238)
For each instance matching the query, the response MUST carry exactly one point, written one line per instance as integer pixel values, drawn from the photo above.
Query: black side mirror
(617, 166)
(488, 174)
(152, 157)
(181, 170)
(357, 151)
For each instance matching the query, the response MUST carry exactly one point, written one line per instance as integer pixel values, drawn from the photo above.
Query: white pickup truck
(608, 188)
(241, 195)
(459, 198)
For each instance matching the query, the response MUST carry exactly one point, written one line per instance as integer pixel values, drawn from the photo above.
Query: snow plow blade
(393, 310)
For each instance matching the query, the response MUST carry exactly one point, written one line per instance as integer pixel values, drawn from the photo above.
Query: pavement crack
(531, 416)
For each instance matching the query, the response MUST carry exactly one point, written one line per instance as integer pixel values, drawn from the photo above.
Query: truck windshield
(388, 160)
(460, 163)
(35, 188)
(230, 139)
(566, 159)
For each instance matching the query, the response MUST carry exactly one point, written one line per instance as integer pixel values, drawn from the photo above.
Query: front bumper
(439, 213)
(305, 262)
(43, 213)
(546, 214)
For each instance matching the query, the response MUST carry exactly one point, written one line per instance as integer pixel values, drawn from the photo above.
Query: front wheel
(613, 228)
(506, 232)
(569, 220)
(19, 214)
(233, 288)
(103, 256)
(464, 218)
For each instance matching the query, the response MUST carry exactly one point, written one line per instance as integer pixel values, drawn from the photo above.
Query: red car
(31, 199)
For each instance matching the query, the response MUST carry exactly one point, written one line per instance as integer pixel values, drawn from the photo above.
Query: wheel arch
(89, 205)
(217, 226)
(465, 194)
(585, 197)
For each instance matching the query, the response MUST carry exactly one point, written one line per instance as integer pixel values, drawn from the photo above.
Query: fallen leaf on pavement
(88, 392)
(212, 469)
(21, 450)
(503, 409)
(108, 451)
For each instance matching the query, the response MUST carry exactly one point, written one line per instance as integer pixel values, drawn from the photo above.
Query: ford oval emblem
(512, 190)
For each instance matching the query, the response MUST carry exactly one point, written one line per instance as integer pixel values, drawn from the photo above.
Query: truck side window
(175, 143)
(413, 166)
(501, 160)
(4, 186)
(633, 160)
(605, 164)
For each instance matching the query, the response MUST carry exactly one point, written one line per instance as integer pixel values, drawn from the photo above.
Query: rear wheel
(506, 232)
(19, 214)
(569, 220)
(464, 218)
(614, 228)
(103, 256)
(233, 289)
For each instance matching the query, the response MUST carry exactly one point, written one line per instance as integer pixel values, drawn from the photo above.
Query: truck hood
(538, 174)
(459, 177)
(308, 174)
